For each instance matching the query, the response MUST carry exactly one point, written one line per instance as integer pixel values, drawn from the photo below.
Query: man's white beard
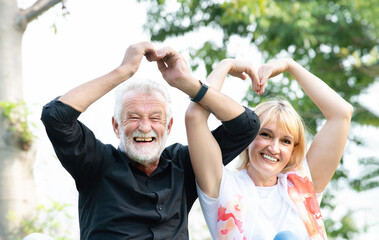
(142, 155)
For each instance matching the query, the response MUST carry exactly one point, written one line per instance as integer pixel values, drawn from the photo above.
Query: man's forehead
(137, 95)
(137, 103)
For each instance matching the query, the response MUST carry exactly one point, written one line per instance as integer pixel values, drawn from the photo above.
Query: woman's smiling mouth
(272, 159)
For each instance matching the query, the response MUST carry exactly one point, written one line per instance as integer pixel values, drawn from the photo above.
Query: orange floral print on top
(302, 194)
(229, 224)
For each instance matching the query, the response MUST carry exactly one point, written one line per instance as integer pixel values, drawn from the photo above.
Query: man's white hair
(144, 86)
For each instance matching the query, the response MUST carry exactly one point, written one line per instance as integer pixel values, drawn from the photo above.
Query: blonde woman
(273, 193)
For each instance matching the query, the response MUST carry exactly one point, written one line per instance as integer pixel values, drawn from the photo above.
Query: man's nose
(144, 125)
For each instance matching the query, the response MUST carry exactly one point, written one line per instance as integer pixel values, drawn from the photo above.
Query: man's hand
(133, 57)
(174, 69)
(84, 95)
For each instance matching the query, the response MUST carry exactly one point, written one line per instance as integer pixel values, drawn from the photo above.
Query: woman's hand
(272, 69)
(243, 69)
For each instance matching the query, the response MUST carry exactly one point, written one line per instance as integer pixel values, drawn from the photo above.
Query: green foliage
(346, 228)
(363, 116)
(337, 40)
(47, 221)
(17, 114)
(209, 54)
(369, 178)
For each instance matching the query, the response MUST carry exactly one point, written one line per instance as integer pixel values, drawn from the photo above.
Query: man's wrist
(122, 72)
(201, 93)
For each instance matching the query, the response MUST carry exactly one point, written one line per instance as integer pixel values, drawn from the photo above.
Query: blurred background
(48, 47)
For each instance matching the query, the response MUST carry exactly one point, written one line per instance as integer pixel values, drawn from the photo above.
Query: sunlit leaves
(369, 179)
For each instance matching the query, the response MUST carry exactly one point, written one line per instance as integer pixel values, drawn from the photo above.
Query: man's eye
(156, 118)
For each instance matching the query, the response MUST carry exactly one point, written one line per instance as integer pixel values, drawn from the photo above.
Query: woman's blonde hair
(288, 120)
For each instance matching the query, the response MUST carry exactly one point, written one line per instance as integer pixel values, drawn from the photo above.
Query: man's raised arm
(81, 97)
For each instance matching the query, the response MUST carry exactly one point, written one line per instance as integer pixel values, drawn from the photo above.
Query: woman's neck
(262, 180)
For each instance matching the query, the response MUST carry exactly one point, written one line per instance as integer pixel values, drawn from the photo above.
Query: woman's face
(270, 152)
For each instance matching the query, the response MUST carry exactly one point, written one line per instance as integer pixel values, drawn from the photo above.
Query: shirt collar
(162, 165)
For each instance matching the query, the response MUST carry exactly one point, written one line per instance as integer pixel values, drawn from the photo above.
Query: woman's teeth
(270, 158)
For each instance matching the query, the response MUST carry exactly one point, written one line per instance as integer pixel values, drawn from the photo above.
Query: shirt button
(160, 207)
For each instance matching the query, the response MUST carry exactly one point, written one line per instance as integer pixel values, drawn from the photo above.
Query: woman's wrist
(218, 75)
(226, 64)
(290, 65)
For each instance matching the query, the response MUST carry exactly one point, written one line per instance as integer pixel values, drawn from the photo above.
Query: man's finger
(165, 52)
(151, 55)
(161, 65)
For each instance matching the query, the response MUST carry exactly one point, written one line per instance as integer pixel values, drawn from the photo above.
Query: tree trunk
(17, 191)
(10, 52)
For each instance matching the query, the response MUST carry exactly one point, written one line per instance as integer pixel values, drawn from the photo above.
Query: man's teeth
(139, 139)
(270, 158)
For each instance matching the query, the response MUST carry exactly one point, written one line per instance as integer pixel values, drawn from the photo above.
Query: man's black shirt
(116, 199)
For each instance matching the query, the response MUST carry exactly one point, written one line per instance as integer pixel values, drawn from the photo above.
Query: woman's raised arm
(329, 143)
(204, 150)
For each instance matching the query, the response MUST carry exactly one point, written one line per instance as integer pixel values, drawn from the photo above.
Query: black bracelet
(201, 93)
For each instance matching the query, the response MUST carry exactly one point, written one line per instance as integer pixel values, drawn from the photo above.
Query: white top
(245, 211)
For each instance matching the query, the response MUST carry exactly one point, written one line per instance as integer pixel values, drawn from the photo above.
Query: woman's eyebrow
(268, 130)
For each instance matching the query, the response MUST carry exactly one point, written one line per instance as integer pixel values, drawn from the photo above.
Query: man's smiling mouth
(141, 139)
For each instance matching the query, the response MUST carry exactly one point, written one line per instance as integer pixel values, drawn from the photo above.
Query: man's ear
(170, 126)
(115, 127)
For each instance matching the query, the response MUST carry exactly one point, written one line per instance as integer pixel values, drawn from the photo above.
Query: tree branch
(25, 16)
(372, 71)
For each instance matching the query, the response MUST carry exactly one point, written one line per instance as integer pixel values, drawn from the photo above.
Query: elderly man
(141, 190)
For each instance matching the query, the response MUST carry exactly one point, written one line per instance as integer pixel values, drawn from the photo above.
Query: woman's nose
(274, 146)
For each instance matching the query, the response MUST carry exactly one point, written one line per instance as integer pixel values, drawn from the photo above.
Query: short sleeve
(209, 207)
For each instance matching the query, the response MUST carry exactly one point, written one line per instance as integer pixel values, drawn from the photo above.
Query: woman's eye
(286, 141)
(265, 134)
